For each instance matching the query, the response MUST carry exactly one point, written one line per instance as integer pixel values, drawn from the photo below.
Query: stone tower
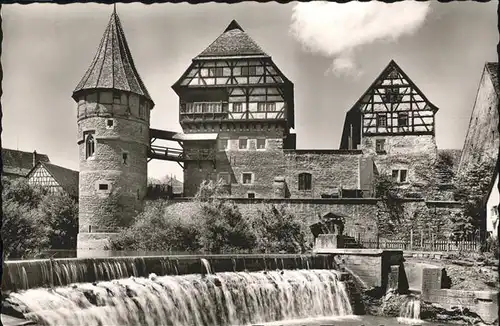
(113, 138)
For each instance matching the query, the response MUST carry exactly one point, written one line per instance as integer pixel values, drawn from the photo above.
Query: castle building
(113, 137)
(240, 106)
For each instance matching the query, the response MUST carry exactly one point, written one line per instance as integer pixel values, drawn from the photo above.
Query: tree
(224, 228)
(278, 229)
(24, 233)
(60, 211)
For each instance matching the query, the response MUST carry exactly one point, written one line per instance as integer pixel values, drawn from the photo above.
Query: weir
(221, 298)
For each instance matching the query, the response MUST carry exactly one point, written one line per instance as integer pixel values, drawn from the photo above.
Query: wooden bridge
(180, 156)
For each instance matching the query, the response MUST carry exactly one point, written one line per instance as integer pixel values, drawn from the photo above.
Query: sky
(331, 52)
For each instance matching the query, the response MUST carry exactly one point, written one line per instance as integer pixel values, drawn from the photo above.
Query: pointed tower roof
(232, 42)
(113, 66)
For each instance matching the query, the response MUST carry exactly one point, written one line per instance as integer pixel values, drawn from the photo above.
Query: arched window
(89, 145)
(305, 181)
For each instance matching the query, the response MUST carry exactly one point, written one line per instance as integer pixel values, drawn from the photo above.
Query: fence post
(422, 240)
(411, 239)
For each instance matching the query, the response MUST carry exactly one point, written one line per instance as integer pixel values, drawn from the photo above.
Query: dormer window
(400, 176)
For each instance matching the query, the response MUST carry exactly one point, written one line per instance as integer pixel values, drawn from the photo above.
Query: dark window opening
(223, 144)
(103, 186)
(261, 143)
(117, 98)
(403, 119)
(138, 194)
(109, 123)
(392, 95)
(215, 72)
(381, 120)
(380, 145)
(248, 71)
(89, 145)
(400, 176)
(251, 195)
(243, 143)
(237, 107)
(305, 181)
(246, 178)
(125, 158)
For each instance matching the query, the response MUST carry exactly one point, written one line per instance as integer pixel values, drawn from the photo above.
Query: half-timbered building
(395, 123)
(54, 178)
(17, 164)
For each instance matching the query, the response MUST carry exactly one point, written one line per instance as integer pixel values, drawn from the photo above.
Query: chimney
(34, 158)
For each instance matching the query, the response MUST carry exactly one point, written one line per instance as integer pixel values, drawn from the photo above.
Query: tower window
(247, 178)
(89, 145)
(403, 119)
(379, 145)
(381, 120)
(305, 181)
(138, 194)
(125, 158)
(243, 143)
(237, 107)
(109, 123)
(261, 143)
(117, 98)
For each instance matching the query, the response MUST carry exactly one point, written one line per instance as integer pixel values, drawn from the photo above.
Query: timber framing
(393, 105)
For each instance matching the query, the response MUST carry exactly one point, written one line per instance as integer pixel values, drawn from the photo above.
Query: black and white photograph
(250, 164)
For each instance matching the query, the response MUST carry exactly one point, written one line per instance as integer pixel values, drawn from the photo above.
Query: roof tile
(113, 66)
(233, 41)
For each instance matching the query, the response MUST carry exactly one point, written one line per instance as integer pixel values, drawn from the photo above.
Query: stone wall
(482, 135)
(111, 188)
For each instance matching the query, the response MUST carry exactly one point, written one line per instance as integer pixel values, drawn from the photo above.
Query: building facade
(54, 178)
(482, 140)
(238, 102)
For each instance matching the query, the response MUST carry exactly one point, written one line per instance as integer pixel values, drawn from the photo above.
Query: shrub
(277, 229)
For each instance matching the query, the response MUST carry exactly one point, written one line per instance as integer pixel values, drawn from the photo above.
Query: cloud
(336, 30)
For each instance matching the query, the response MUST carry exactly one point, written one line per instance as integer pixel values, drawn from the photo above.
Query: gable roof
(234, 41)
(113, 66)
(20, 163)
(66, 178)
(492, 69)
(393, 65)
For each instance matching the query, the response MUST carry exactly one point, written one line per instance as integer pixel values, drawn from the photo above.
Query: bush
(225, 229)
(157, 229)
(278, 229)
(60, 211)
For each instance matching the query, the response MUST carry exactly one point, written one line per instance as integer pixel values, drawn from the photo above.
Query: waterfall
(222, 299)
(206, 264)
(410, 312)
